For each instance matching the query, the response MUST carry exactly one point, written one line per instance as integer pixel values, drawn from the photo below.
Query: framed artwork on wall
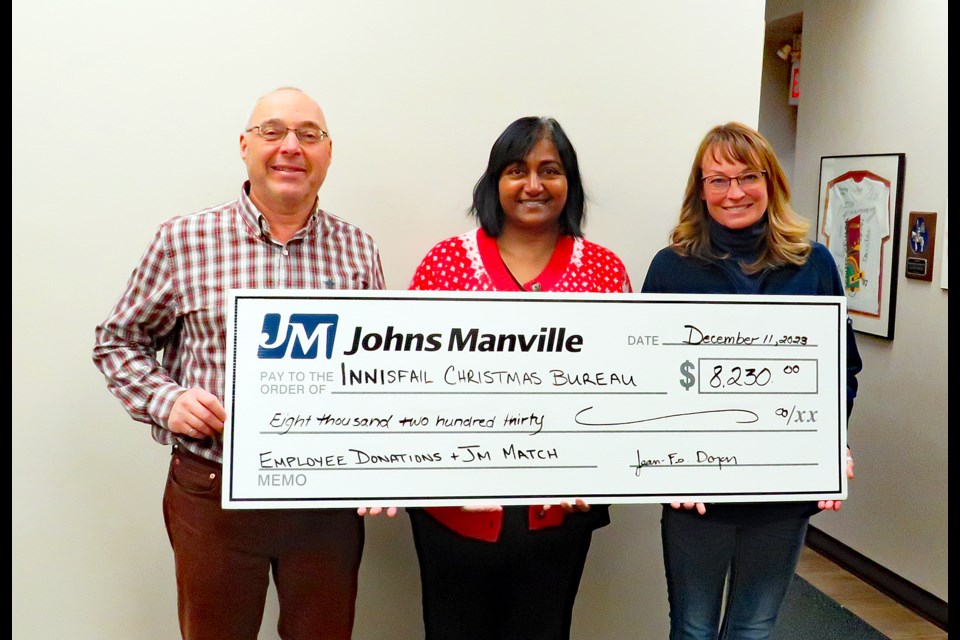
(858, 218)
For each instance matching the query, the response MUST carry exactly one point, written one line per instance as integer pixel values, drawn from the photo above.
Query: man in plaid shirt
(273, 236)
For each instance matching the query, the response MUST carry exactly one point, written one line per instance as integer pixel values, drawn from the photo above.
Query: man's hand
(197, 413)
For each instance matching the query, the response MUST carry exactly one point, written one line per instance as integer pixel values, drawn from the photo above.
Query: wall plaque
(923, 227)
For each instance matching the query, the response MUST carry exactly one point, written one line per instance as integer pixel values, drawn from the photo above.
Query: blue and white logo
(299, 338)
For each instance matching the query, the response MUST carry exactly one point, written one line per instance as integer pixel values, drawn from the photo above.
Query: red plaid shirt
(175, 301)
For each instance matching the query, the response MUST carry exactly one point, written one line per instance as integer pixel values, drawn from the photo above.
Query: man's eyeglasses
(275, 132)
(747, 180)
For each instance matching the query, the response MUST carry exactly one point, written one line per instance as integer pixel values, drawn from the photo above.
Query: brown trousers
(223, 558)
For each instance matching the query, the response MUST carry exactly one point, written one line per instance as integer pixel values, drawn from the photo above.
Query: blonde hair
(786, 234)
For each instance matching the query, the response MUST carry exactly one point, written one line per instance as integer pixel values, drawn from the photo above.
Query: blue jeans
(699, 556)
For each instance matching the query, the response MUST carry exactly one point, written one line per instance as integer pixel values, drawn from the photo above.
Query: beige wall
(127, 113)
(874, 81)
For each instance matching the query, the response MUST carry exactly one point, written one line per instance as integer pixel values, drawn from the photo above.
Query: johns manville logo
(301, 337)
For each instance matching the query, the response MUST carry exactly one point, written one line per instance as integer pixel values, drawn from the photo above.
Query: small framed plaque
(922, 229)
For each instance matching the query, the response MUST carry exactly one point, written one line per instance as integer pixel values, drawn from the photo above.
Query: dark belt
(183, 452)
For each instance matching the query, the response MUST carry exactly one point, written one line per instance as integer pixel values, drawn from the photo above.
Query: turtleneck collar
(742, 244)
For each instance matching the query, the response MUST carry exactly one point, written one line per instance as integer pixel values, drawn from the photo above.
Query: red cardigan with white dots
(472, 262)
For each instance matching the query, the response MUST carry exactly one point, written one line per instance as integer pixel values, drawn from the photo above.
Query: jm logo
(300, 338)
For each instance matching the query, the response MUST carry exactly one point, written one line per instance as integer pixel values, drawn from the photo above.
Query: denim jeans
(756, 563)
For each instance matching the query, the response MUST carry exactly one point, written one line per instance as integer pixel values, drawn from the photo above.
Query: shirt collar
(503, 280)
(744, 244)
(257, 223)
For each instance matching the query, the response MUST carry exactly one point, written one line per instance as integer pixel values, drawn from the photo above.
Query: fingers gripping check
(197, 413)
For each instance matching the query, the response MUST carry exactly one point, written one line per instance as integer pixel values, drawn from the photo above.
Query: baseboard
(903, 591)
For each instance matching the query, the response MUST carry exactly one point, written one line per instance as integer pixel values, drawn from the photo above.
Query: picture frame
(859, 208)
(943, 259)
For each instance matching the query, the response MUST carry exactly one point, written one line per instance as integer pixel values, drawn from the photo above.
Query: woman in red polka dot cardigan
(513, 572)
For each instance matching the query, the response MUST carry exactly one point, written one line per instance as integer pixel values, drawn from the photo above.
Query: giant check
(380, 398)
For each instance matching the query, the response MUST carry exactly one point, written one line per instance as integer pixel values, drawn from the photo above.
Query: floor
(873, 607)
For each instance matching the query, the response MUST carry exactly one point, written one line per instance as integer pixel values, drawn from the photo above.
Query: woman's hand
(701, 508)
(579, 505)
(834, 505)
(375, 511)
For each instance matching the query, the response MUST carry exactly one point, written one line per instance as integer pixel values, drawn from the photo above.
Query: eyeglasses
(747, 180)
(275, 132)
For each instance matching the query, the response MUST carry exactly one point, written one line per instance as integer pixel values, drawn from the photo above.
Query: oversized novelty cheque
(386, 398)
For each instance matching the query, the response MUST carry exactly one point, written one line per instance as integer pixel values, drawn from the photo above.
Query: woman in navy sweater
(738, 234)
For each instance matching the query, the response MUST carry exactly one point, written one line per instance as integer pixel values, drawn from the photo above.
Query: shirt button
(285, 252)
(535, 286)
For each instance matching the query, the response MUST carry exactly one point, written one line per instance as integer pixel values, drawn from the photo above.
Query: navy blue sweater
(670, 272)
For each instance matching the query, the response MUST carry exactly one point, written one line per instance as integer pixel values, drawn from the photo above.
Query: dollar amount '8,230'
(740, 377)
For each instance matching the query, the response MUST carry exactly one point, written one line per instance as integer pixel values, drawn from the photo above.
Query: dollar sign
(687, 381)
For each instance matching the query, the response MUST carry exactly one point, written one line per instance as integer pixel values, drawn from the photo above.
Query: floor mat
(810, 614)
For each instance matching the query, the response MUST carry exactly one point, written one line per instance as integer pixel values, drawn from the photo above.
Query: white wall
(874, 80)
(127, 113)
